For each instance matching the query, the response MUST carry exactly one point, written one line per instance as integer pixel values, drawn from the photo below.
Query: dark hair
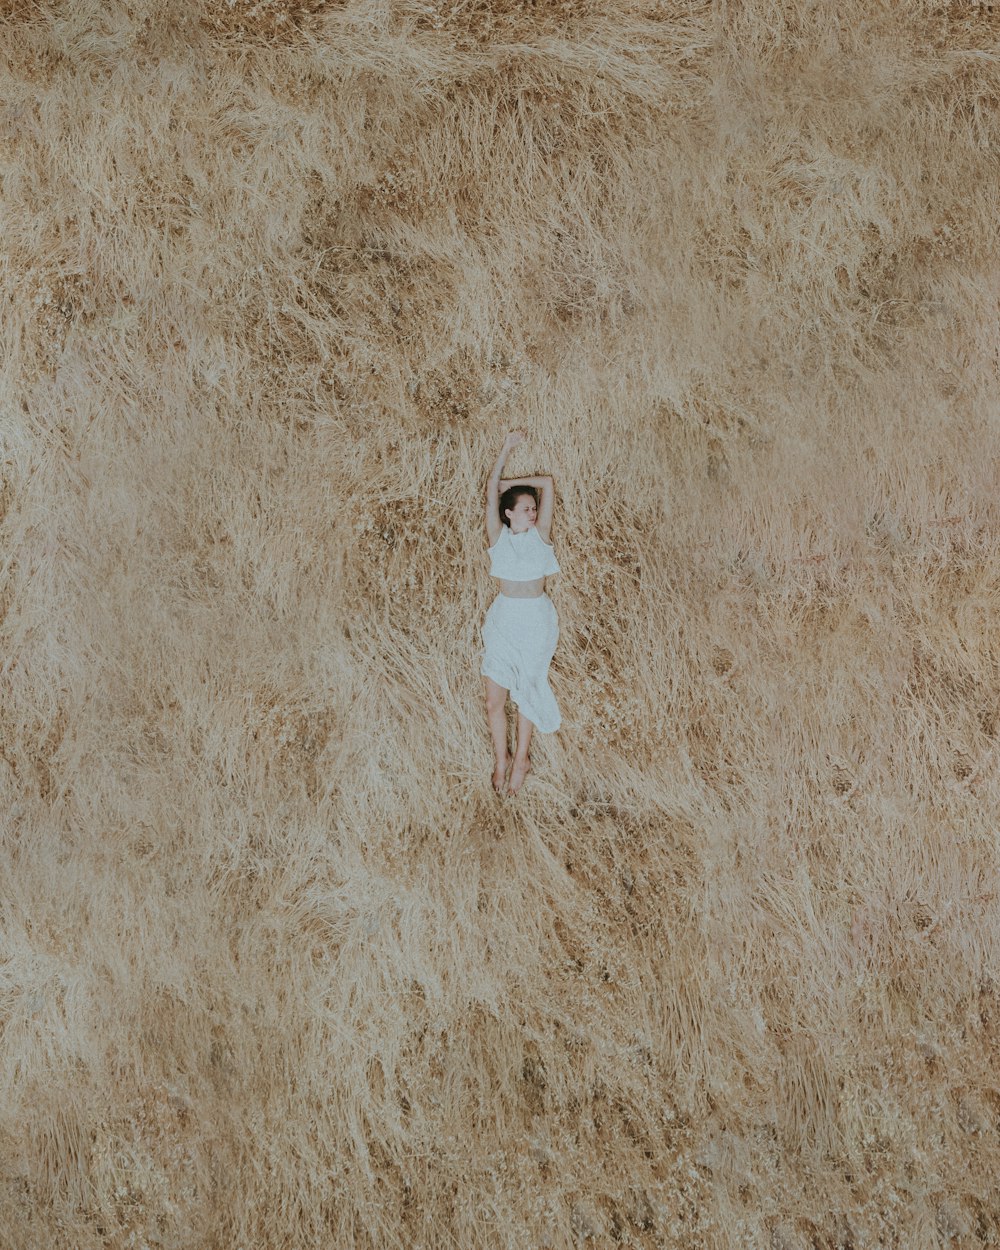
(510, 497)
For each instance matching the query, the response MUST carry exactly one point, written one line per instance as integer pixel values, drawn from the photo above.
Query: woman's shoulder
(494, 536)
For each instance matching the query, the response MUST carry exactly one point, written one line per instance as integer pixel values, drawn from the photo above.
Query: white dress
(520, 635)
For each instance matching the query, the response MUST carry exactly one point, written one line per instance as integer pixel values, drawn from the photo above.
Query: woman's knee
(496, 696)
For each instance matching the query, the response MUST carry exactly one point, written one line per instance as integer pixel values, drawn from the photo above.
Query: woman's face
(523, 515)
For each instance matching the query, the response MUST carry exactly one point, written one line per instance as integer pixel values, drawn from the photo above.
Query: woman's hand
(514, 439)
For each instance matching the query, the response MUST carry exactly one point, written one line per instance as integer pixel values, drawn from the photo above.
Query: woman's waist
(533, 589)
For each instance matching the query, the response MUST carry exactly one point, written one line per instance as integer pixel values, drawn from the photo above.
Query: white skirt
(520, 637)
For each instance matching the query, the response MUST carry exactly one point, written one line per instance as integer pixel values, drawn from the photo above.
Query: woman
(521, 627)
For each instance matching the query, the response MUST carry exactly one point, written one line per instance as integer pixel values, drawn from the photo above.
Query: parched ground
(277, 968)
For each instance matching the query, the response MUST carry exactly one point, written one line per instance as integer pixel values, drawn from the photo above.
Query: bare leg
(522, 763)
(496, 718)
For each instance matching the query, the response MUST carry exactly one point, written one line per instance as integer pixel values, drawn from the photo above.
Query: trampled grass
(278, 968)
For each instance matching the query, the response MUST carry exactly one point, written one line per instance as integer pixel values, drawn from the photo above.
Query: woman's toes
(499, 778)
(518, 774)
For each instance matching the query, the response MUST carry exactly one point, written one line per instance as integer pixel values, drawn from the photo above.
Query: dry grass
(278, 969)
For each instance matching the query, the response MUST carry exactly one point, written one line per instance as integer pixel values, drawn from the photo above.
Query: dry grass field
(279, 969)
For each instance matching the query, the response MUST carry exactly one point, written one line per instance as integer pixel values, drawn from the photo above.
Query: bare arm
(538, 482)
(493, 488)
(493, 522)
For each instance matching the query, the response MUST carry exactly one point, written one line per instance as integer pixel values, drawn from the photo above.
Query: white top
(522, 557)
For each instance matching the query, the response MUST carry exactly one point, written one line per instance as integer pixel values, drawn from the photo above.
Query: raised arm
(538, 482)
(493, 523)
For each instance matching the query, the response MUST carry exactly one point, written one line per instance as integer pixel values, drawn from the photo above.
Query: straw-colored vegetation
(278, 968)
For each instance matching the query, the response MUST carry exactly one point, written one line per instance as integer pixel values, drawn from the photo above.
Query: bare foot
(499, 777)
(518, 773)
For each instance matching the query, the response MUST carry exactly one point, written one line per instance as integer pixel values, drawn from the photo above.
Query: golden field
(279, 969)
